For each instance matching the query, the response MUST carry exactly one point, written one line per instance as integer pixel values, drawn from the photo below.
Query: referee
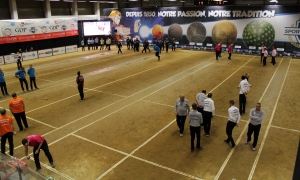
(256, 118)
(208, 113)
(233, 120)
(195, 120)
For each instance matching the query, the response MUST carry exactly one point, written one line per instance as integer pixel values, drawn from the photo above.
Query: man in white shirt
(208, 113)
(256, 118)
(233, 120)
(181, 108)
(195, 120)
(244, 88)
(200, 97)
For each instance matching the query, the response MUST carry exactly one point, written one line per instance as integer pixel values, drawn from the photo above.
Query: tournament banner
(1, 60)
(29, 55)
(72, 48)
(247, 27)
(11, 58)
(45, 53)
(36, 29)
(59, 50)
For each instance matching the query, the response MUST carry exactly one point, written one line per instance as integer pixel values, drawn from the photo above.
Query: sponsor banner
(34, 37)
(45, 53)
(72, 48)
(59, 50)
(29, 55)
(11, 58)
(37, 26)
(1, 60)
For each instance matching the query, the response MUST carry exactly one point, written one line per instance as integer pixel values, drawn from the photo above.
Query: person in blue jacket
(157, 50)
(3, 84)
(21, 75)
(31, 73)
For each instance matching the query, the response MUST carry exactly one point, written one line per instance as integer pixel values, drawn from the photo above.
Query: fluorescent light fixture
(133, 0)
(171, 0)
(94, 1)
(54, 0)
(275, 1)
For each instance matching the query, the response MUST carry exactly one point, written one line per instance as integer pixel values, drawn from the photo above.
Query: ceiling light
(171, 0)
(275, 1)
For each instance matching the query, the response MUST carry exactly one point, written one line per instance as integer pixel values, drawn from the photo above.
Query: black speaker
(116, 30)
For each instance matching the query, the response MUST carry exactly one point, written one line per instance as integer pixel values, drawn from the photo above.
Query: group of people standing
(95, 43)
(264, 55)
(203, 110)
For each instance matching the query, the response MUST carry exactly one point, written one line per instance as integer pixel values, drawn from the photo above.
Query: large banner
(30, 55)
(45, 53)
(36, 29)
(244, 26)
(59, 50)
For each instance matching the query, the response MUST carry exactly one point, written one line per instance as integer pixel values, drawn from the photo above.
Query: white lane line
(245, 127)
(285, 128)
(140, 159)
(41, 122)
(46, 80)
(268, 127)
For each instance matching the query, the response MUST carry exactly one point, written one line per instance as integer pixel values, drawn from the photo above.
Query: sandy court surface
(125, 128)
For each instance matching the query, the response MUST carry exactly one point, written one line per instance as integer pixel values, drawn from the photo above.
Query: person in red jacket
(220, 55)
(218, 50)
(80, 83)
(230, 51)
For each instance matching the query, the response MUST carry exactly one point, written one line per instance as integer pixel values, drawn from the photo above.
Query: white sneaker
(181, 135)
(253, 148)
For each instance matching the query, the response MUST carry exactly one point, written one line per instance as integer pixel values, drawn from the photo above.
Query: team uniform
(208, 113)
(200, 97)
(82, 45)
(6, 132)
(3, 84)
(274, 53)
(119, 46)
(31, 73)
(181, 108)
(22, 79)
(156, 49)
(233, 119)
(244, 88)
(229, 52)
(16, 106)
(80, 84)
(195, 120)
(256, 118)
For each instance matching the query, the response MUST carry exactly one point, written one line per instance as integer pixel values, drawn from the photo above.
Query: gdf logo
(20, 30)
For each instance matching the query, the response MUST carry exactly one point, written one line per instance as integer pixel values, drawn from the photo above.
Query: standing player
(80, 83)
(195, 120)
(144, 45)
(108, 42)
(6, 132)
(274, 53)
(233, 120)
(220, 55)
(19, 63)
(167, 43)
(17, 108)
(128, 43)
(173, 44)
(200, 97)
(181, 108)
(208, 113)
(96, 43)
(244, 88)
(119, 46)
(89, 43)
(93, 44)
(82, 45)
(265, 56)
(218, 50)
(101, 44)
(37, 142)
(256, 118)
(31, 73)
(21, 75)
(156, 49)
(3, 84)
(229, 52)
(262, 52)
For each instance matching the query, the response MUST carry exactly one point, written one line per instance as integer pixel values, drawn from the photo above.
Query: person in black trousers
(19, 63)
(195, 120)
(21, 75)
(262, 52)
(173, 44)
(167, 43)
(3, 84)
(233, 120)
(31, 73)
(119, 46)
(6, 132)
(128, 43)
(244, 87)
(17, 108)
(80, 83)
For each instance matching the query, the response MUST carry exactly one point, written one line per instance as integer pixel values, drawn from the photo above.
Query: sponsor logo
(48, 52)
(54, 27)
(22, 23)
(7, 32)
(20, 30)
(12, 24)
(64, 27)
(73, 26)
(32, 29)
(293, 33)
(44, 29)
(7, 58)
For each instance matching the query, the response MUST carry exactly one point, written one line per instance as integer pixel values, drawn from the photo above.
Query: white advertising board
(59, 50)
(1, 60)
(29, 55)
(11, 58)
(45, 53)
(72, 48)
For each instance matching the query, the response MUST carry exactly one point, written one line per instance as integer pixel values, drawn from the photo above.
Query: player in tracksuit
(119, 46)
(128, 43)
(167, 43)
(157, 50)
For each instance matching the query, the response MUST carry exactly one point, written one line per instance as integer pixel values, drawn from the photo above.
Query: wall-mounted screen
(96, 28)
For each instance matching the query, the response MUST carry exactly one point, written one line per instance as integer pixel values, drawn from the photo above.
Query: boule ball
(175, 31)
(196, 32)
(225, 32)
